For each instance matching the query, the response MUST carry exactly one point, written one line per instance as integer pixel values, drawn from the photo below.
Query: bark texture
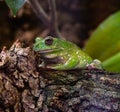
(26, 88)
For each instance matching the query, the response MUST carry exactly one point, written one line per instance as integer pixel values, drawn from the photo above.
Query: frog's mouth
(49, 50)
(50, 57)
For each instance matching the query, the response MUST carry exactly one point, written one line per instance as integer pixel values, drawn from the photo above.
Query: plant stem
(39, 11)
(53, 19)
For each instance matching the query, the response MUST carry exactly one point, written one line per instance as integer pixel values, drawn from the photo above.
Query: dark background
(77, 19)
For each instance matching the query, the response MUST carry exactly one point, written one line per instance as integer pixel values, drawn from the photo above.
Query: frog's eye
(49, 41)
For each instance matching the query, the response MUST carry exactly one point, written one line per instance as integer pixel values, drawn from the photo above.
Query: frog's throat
(52, 61)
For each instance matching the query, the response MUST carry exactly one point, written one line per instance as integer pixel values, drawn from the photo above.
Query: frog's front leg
(69, 64)
(95, 64)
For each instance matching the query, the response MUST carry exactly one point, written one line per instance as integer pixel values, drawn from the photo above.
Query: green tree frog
(62, 55)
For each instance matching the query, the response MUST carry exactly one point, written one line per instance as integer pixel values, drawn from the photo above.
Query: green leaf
(113, 63)
(15, 5)
(105, 40)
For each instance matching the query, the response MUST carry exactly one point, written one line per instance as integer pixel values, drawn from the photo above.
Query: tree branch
(27, 88)
(39, 11)
(53, 19)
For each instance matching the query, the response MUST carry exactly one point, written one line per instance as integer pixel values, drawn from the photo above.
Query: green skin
(70, 55)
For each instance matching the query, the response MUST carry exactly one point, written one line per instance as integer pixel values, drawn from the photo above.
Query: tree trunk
(26, 88)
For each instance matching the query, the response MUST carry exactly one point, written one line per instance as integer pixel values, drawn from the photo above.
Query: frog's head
(52, 50)
(50, 44)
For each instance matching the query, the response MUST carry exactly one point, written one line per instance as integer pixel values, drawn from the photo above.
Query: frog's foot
(95, 64)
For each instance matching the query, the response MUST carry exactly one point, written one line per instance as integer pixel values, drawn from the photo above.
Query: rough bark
(26, 88)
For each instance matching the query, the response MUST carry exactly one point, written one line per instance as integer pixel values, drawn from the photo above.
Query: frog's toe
(42, 64)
